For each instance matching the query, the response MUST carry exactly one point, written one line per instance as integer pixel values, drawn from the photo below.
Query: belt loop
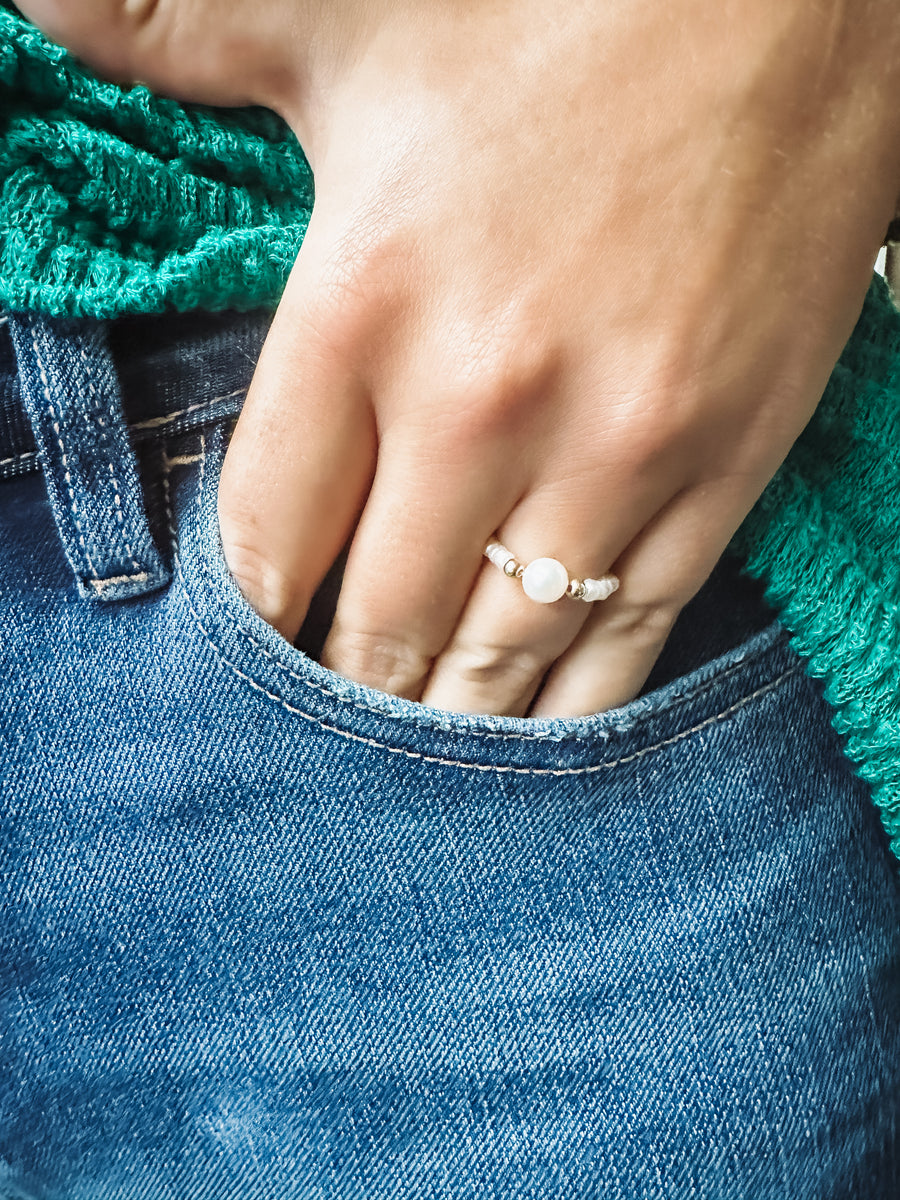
(71, 394)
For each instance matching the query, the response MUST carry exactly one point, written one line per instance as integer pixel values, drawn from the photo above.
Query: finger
(505, 642)
(667, 564)
(301, 460)
(413, 561)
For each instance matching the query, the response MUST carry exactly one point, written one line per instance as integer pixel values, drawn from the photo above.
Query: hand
(576, 277)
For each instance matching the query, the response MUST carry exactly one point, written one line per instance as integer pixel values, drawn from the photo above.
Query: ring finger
(505, 642)
(667, 564)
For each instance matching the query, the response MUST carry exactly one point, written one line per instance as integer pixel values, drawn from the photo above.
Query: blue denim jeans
(265, 933)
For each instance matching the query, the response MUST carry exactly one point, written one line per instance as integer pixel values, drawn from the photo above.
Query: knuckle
(358, 303)
(137, 14)
(495, 392)
(368, 255)
(667, 403)
(651, 431)
(646, 623)
(488, 666)
(375, 659)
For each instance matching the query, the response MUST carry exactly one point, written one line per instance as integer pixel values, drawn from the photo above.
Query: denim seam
(4, 462)
(168, 418)
(473, 766)
(109, 580)
(439, 760)
(182, 460)
(65, 461)
(150, 423)
(117, 498)
(684, 698)
(481, 733)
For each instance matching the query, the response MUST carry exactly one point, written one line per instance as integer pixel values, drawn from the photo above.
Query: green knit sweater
(116, 201)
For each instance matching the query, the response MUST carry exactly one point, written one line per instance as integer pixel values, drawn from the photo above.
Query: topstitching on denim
(95, 418)
(65, 462)
(150, 426)
(152, 423)
(18, 458)
(682, 698)
(405, 751)
(676, 701)
(197, 368)
(60, 387)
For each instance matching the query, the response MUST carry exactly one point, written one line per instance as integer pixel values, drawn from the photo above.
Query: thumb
(193, 49)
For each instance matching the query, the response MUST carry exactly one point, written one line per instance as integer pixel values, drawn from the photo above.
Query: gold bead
(575, 589)
(510, 568)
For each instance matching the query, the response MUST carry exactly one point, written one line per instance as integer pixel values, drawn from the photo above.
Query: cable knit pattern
(825, 536)
(116, 201)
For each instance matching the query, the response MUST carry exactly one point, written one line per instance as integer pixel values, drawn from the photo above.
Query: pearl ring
(546, 579)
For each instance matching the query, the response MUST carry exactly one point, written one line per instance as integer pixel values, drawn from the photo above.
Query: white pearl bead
(545, 580)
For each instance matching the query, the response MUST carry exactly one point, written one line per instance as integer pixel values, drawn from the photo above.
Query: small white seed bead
(600, 589)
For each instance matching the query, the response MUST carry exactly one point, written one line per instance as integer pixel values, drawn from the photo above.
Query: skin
(577, 278)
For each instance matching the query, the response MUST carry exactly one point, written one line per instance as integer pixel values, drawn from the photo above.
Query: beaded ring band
(546, 579)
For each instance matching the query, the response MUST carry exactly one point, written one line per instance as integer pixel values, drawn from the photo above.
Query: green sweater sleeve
(825, 536)
(117, 201)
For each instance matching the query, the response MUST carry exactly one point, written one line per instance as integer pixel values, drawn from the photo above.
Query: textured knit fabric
(825, 536)
(117, 201)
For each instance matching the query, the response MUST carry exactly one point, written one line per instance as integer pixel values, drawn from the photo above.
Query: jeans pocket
(264, 663)
(269, 933)
(623, 930)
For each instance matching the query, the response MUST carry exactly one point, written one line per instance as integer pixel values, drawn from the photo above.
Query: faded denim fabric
(268, 934)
